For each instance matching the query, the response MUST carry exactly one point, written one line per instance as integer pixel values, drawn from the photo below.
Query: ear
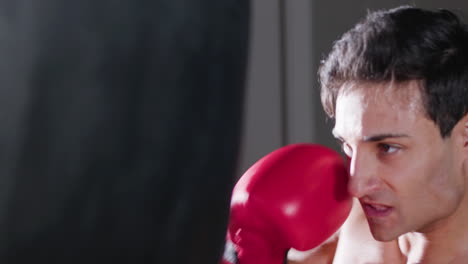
(465, 131)
(464, 123)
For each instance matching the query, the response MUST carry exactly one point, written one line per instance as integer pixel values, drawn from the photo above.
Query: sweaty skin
(408, 181)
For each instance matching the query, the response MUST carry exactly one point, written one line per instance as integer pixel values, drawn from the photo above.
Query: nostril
(356, 186)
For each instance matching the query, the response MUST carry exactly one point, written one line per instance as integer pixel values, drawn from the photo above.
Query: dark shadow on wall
(120, 124)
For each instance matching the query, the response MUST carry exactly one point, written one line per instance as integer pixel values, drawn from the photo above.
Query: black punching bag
(119, 128)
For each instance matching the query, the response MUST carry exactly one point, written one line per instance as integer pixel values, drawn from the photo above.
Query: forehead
(384, 108)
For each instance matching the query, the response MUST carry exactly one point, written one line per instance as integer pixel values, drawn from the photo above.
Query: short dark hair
(404, 44)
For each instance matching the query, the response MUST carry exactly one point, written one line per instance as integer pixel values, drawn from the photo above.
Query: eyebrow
(374, 138)
(380, 137)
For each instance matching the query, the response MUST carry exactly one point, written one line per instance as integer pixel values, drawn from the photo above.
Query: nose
(363, 178)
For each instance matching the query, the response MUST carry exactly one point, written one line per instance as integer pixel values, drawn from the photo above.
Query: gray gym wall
(288, 39)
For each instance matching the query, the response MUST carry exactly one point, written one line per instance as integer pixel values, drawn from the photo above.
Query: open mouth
(376, 210)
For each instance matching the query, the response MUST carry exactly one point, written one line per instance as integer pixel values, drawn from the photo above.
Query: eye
(388, 148)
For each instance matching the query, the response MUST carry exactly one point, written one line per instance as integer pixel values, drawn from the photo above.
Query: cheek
(434, 184)
(442, 173)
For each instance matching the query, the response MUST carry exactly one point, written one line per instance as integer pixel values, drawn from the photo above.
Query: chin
(383, 234)
(383, 237)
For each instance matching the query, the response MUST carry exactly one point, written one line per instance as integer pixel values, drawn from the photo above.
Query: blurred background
(287, 41)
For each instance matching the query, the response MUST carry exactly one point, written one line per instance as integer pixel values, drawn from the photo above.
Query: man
(397, 86)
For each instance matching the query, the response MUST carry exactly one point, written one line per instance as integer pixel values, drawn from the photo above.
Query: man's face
(406, 176)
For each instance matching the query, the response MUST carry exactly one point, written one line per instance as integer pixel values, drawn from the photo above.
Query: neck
(446, 241)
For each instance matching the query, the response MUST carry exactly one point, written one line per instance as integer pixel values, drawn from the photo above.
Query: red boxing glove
(295, 197)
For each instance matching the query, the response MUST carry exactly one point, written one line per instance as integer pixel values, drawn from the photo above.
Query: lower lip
(375, 213)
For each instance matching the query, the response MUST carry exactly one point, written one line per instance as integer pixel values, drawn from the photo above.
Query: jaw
(440, 241)
(386, 228)
(380, 233)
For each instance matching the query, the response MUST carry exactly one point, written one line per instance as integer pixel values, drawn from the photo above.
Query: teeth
(378, 207)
